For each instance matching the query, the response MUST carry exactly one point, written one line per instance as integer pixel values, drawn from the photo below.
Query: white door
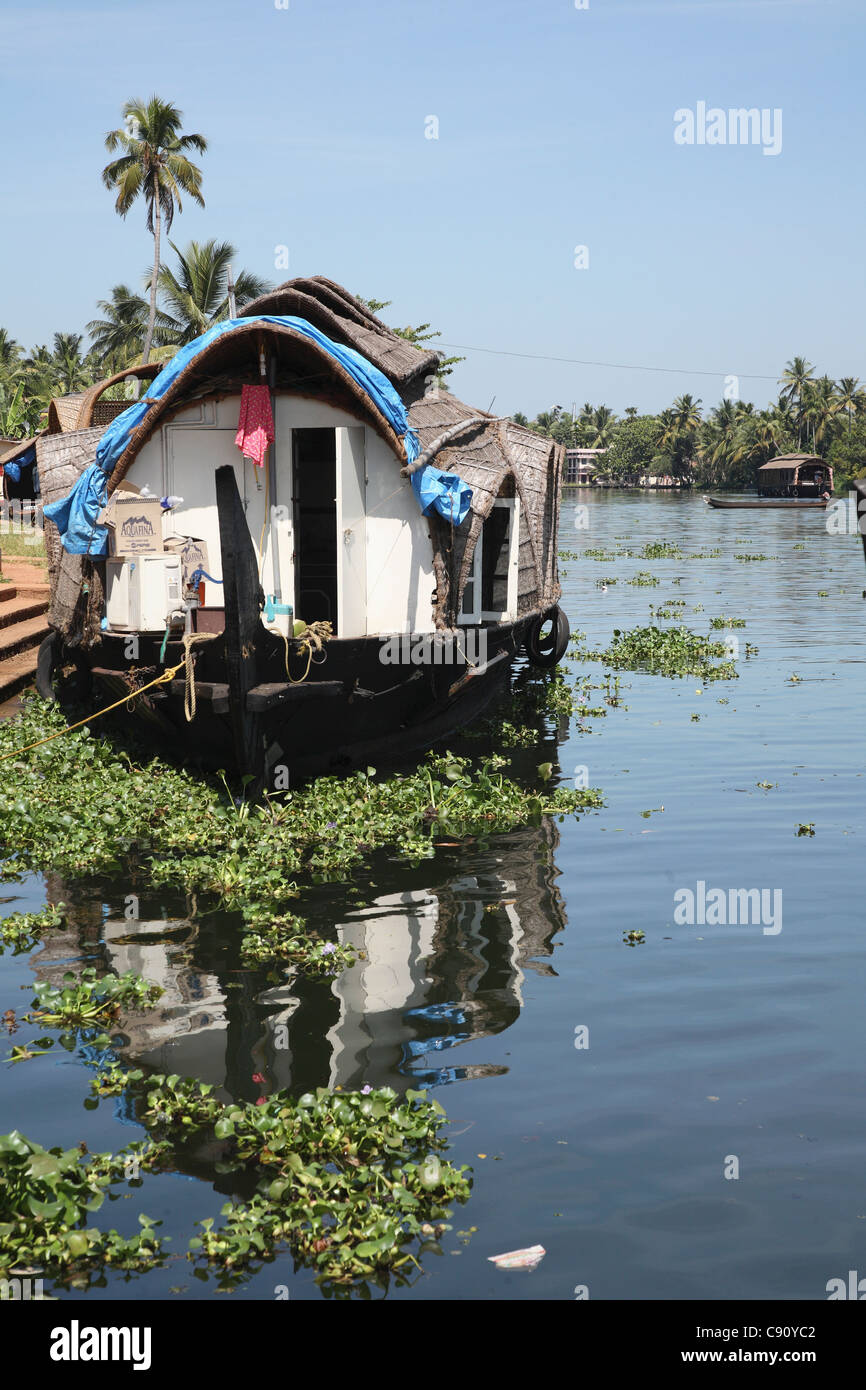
(193, 454)
(351, 532)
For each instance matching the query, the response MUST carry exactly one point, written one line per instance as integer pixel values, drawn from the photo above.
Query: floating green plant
(661, 550)
(643, 580)
(722, 621)
(674, 651)
(24, 930)
(83, 804)
(47, 1196)
(347, 1180)
(89, 1001)
(281, 937)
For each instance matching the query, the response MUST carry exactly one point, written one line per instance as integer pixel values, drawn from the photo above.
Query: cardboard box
(134, 523)
(193, 555)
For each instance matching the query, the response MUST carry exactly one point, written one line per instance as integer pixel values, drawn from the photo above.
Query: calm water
(706, 1043)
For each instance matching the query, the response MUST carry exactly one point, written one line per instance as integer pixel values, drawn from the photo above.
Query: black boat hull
(353, 707)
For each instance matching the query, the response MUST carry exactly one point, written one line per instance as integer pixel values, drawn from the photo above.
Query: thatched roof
(232, 359)
(792, 461)
(344, 318)
(19, 447)
(82, 409)
(76, 608)
(488, 454)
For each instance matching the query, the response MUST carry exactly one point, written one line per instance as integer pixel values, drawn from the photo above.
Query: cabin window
(490, 592)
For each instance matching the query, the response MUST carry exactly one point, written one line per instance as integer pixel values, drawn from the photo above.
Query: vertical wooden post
(242, 597)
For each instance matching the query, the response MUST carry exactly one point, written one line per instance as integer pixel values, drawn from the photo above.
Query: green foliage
(24, 930)
(88, 1000)
(643, 580)
(674, 651)
(661, 550)
(347, 1180)
(46, 1197)
(633, 448)
(280, 937)
(722, 621)
(81, 804)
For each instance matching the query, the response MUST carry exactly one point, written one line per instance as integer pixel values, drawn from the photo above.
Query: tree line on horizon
(725, 447)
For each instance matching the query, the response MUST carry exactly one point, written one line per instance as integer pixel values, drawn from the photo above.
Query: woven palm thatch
(496, 458)
(344, 318)
(14, 448)
(64, 413)
(230, 361)
(82, 409)
(76, 582)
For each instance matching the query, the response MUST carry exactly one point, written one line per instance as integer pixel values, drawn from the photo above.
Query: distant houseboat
(795, 475)
(358, 589)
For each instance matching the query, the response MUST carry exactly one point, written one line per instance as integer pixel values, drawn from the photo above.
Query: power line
(618, 366)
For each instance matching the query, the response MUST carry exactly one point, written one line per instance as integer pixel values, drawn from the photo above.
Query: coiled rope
(313, 638)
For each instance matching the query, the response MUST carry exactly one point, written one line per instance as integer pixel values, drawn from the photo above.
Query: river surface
(678, 1118)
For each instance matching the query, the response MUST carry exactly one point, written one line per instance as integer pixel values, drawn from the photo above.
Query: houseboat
(301, 548)
(801, 476)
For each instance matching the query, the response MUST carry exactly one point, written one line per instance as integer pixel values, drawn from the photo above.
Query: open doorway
(314, 454)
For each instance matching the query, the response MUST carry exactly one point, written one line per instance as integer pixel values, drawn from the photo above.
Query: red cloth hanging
(255, 423)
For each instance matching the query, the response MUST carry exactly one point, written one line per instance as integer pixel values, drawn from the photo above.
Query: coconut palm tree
(795, 381)
(850, 397)
(119, 335)
(70, 369)
(602, 426)
(10, 353)
(195, 296)
(819, 409)
(155, 166)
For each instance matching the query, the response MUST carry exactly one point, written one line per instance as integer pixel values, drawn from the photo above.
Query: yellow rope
(313, 636)
(167, 676)
(189, 641)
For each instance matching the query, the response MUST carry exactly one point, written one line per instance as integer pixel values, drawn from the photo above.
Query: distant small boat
(760, 504)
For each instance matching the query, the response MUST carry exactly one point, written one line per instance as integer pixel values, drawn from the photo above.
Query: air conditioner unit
(141, 591)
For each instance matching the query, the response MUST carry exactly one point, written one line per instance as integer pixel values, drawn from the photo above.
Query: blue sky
(555, 128)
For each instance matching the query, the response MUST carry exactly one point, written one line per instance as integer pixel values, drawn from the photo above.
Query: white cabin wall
(400, 578)
(183, 455)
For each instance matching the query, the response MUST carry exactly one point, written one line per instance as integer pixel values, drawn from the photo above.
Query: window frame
(477, 614)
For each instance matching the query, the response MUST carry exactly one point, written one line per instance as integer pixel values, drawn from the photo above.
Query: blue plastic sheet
(75, 515)
(22, 460)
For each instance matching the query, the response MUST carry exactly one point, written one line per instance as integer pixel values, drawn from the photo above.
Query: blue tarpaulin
(22, 460)
(75, 515)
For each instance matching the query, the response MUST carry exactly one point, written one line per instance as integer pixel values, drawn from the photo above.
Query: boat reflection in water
(440, 967)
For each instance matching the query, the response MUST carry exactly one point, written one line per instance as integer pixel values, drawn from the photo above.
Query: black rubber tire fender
(549, 650)
(46, 661)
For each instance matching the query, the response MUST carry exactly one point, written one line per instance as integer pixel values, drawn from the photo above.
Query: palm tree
(118, 336)
(678, 427)
(10, 354)
(70, 371)
(795, 379)
(196, 295)
(602, 424)
(155, 165)
(819, 409)
(850, 397)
